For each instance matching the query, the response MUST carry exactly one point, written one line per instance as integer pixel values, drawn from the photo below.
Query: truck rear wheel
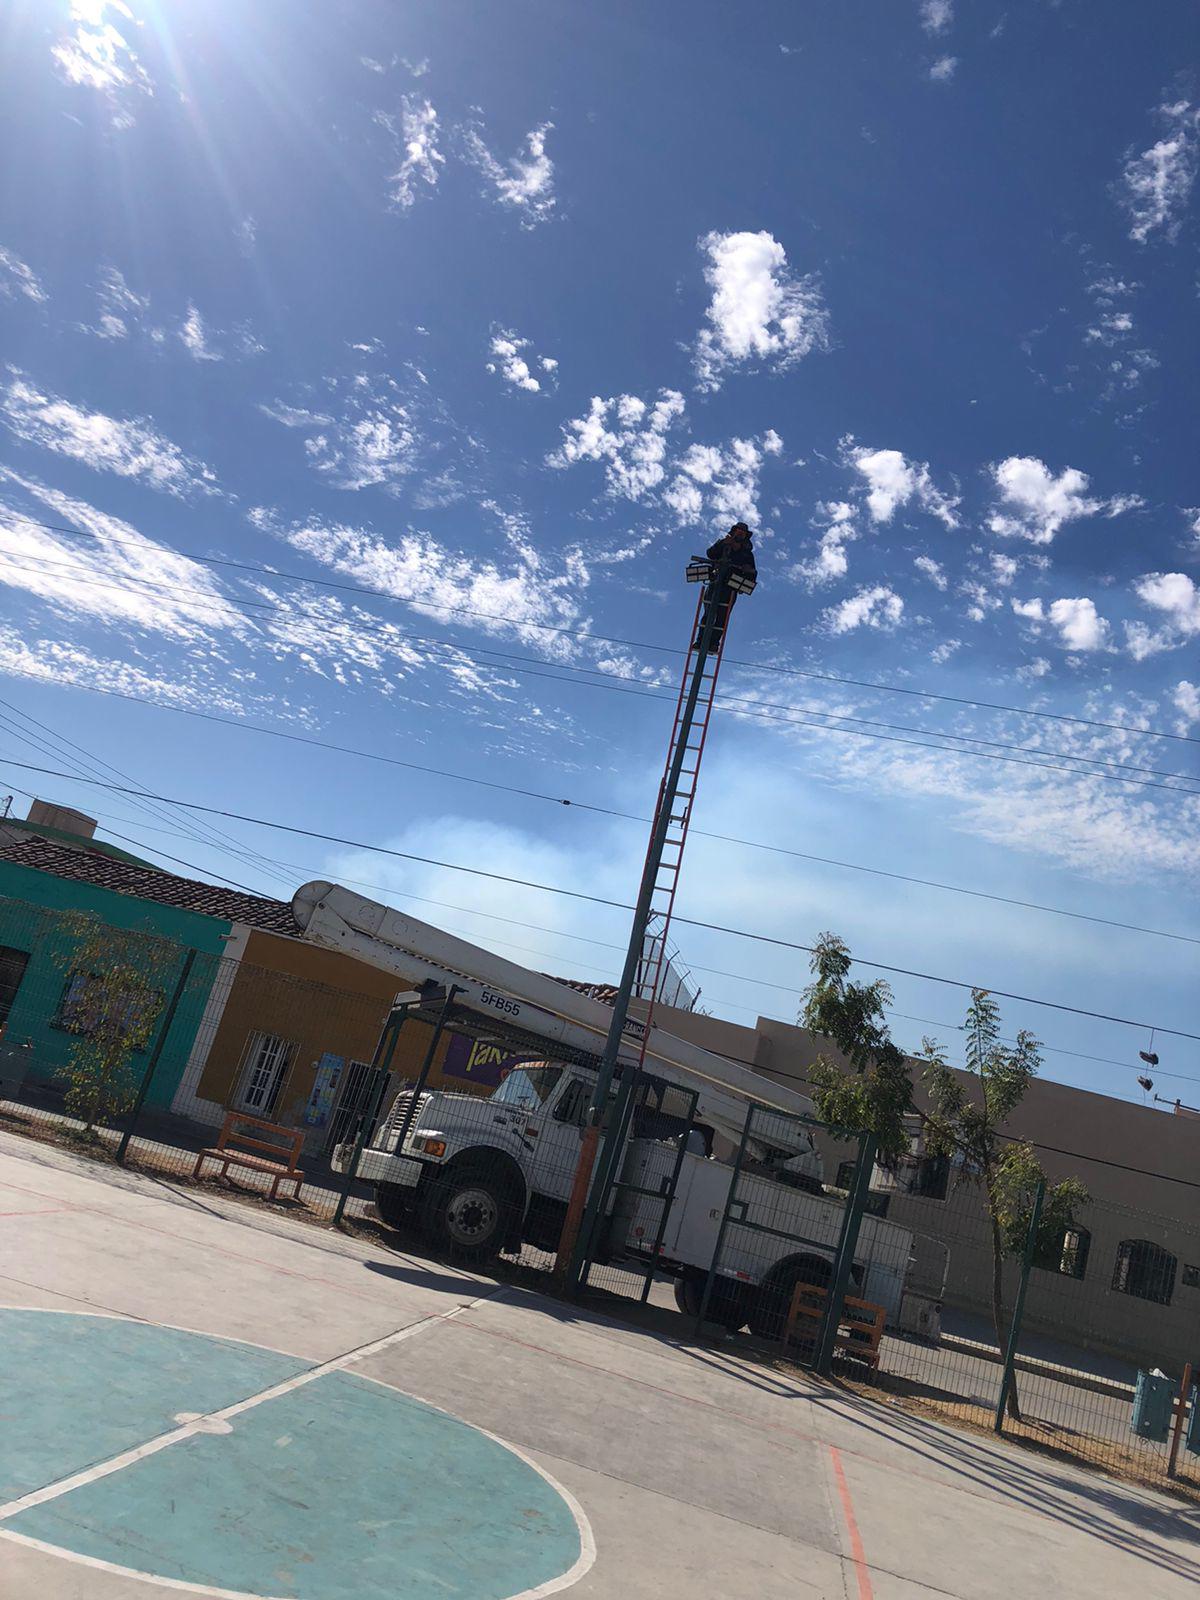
(768, 1316)
(468, 1213)
(726, 1304)
(392, 1203)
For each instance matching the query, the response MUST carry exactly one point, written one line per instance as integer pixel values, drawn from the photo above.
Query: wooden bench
(860, 1327)
(233, 1145)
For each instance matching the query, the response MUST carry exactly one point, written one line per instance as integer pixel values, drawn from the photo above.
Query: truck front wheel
(468, 1213)
(392, 1203)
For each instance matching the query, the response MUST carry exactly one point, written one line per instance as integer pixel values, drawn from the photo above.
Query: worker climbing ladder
(723, 579)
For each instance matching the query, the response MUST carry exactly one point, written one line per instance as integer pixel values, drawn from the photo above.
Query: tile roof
(148, 883)
(605, 992)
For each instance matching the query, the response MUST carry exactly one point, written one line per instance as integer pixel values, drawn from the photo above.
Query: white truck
(481, 1175)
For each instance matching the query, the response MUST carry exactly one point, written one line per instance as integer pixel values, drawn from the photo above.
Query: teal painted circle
(339, 1489)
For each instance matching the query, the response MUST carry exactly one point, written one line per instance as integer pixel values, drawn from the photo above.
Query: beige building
(1126, 1280)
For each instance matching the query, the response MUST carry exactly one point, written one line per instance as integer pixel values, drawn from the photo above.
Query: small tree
(965, 1126)
(115, 992)
(877, 1097)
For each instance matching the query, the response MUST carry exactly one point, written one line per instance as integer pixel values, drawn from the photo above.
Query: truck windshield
(528, 1086)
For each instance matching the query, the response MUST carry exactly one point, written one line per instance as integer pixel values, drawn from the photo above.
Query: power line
(608, 944)
(626, 816)
(733, 705)
(601, 900)
(166, 856)
(599, 638)
(605, 944)
(200, 832)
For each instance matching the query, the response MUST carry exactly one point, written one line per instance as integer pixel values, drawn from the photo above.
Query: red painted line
(857, 1554)
(47, 1211)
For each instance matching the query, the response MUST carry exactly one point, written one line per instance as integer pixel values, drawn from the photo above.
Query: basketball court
(200, 1397)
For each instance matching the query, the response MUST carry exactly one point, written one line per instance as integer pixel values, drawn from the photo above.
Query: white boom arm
(342, 920)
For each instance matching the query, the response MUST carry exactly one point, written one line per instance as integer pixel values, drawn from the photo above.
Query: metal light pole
(583, 1205)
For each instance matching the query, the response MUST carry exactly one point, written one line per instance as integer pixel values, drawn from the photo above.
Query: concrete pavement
(696, 1471)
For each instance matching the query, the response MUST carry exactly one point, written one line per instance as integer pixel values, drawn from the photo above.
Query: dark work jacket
(743, 559)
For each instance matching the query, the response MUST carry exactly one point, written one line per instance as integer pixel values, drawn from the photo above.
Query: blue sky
(504, 311)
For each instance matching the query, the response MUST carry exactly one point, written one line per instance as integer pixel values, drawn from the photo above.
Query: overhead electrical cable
(628, 816)
(779, 713)
(601, 900)
(365, 590)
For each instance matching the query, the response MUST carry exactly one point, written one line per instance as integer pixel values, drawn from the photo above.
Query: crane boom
(500, 993)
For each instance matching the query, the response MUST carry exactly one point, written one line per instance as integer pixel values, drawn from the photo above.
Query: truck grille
(396, 1116)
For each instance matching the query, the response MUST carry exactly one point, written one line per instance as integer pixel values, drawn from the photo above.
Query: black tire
(469, 1213)
(768, 1316)
(393, 1202)
(726, 1304)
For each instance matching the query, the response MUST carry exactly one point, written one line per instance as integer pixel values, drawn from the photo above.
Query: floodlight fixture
(699, 569)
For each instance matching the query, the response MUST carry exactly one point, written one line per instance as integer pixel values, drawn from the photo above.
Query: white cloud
(193, 337)
(417, 137)
(1177, 600)
(1155, 186)
(933, 570)
(526, 182)
(941, 653)
(981, 597)
(719, 482)
(1110, 329)
(116, 575)
(759, 311)
(877, 607)
(1033, 670)
(122, 313)
(1004, 570)
(120, 310)
(17, 278)
(507, 595)
(641, 462)
(936, 15)
(1079, 625)
(96, 54)
(415, 69)
(628, 436)
(372, 440)
(830, 561)
(1034, 504)
(893, 481)
(1186, 700)
(513, 367)
(943, 69)
(132, 448)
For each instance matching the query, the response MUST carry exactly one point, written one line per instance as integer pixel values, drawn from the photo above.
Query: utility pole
(723, 581)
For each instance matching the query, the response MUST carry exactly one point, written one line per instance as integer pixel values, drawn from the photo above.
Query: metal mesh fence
(1117, 1295)
(126, 1045)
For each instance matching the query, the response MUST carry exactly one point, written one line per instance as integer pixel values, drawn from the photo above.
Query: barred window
(1146, 1270)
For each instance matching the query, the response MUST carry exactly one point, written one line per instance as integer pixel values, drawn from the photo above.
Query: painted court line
(211, 1422)
(857, 1554)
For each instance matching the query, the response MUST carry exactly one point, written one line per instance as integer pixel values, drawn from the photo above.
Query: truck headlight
(431, 1147)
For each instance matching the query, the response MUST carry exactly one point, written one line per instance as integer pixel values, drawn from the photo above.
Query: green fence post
(1014, 1328)
(155, 1055)
(843, 1261)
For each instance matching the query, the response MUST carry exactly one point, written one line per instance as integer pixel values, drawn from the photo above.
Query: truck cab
(480, 1175)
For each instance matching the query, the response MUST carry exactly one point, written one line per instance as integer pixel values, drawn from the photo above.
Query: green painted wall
(29, 901)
